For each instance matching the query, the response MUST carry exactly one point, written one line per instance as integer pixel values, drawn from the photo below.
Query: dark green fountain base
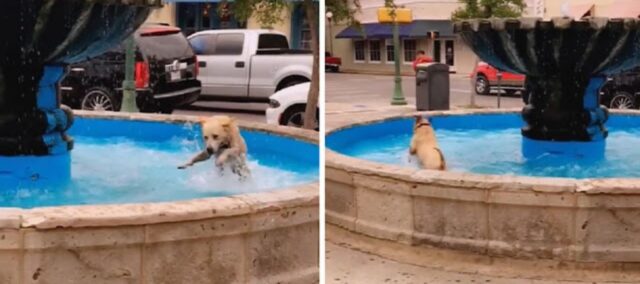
(565, 62)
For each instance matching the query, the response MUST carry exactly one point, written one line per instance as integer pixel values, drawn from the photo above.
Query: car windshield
(173, 45)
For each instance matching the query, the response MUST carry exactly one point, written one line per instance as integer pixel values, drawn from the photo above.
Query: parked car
(332, 63)
(248, 64)
(486, 80)
(287, 106)
(166, 73)
(622, 90)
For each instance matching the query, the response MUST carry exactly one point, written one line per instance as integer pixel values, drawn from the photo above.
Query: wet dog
(425, 146)
(223, 141)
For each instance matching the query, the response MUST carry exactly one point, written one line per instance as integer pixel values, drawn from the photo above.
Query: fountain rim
(131, 214)
(471, 181)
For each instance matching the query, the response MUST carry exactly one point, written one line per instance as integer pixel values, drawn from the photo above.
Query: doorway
(436, 51)
(449, 53)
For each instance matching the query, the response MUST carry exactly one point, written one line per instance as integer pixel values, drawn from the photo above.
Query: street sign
(401, 15)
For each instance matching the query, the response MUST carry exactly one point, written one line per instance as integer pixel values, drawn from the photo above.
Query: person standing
(421, 57)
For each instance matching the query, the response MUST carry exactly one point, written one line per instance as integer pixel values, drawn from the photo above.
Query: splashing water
(121, 170)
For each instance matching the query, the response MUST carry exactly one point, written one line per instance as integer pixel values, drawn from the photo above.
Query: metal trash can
(432, 86)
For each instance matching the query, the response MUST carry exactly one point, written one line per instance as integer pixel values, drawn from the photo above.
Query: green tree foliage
(266, 12)
(474, 9)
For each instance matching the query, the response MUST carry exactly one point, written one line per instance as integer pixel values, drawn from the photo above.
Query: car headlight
(274, 104)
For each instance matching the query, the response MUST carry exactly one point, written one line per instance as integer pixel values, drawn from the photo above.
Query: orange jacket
(421, 59)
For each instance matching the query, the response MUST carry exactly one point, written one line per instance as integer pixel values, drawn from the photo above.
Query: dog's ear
(225, 121)
(419, 119)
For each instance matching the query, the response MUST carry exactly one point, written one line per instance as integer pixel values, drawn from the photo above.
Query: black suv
(165, 74)
(622, 91)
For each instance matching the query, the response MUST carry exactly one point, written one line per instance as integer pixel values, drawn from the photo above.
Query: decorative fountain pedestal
(40, 38)
(565, 62)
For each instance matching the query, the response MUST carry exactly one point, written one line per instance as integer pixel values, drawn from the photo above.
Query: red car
(486, 80)
(332, 63)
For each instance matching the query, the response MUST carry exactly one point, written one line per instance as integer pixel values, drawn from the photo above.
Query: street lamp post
(329, 17)
(129, 84)
(398, 96)
(396, 16)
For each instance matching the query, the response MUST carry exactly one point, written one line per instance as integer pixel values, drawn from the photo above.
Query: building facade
(201, 15)
(370, 48)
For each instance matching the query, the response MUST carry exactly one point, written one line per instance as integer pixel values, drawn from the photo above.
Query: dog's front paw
(220, 162)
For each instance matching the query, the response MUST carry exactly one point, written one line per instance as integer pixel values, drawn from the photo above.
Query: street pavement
(347, 95)
(354, 93)
(355, 259)
(361, 91)
(351, 266)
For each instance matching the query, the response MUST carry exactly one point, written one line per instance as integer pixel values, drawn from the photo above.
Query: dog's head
(217, 132)
(421, 122)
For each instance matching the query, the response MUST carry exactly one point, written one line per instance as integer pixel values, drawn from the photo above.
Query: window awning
(417, 29)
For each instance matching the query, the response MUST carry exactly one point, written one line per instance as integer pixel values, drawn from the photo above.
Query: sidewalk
(349, 261)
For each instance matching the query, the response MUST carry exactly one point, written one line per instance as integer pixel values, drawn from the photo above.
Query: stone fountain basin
(265, 237)
(574, 220)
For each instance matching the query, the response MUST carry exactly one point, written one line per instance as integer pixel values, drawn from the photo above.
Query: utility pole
(329, 17)
(472, 94)
(129, 83)
(396, 16)
(398, 96)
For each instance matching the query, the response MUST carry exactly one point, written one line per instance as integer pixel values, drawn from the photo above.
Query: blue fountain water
(492, 144)
(117, 161)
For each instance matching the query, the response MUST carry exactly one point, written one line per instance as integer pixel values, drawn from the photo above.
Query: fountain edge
(337, 161)
(112, 215)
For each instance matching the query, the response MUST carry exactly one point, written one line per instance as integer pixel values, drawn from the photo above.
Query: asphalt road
(371, 91)
(352, 92)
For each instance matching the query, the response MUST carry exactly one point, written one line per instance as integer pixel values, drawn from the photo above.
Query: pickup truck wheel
(622, 100)
(101, 99)
(293, 116)
(482, 86)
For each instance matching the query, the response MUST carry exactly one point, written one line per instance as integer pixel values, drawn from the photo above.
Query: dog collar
(423, 124)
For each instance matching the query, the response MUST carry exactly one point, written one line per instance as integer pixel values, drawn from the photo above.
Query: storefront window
(359, 50)
(374, 51)
(409, 50)
(194, 17)
(390, 51)
(305, 34)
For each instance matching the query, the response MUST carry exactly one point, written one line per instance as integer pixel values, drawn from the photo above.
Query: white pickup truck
(248, 64)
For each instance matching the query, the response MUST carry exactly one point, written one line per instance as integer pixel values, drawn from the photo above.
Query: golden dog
(222, 139)
(425, 146)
